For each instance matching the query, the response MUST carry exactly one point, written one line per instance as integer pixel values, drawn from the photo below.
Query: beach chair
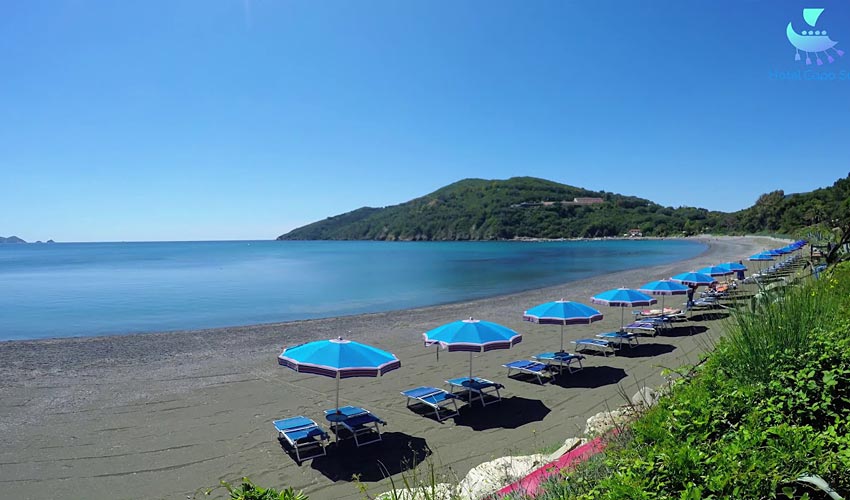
(302, 434)
(645, 327)
(707, 303)
(674, 315)
(528, 367)
(476, 386)
(620, 338)
(358, 422)
(562, 359)
(598, 345)
(438, 399)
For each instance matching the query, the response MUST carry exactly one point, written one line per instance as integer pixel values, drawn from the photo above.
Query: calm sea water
(84, 289)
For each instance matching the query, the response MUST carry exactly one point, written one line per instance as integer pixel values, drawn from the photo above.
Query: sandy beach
(169, 415)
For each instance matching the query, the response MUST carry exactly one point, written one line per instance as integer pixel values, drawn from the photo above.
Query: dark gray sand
(167, 415)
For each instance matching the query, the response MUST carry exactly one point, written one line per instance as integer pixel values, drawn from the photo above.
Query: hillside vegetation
(527, 207)
(770, 405)
(477, 209)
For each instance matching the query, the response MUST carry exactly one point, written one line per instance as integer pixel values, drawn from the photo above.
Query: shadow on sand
(710, 315)
(683, 331)
(510, 413)
(645, 350)
(591, 377)
(395, 453)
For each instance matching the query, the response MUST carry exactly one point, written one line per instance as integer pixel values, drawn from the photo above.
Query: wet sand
(169, 415)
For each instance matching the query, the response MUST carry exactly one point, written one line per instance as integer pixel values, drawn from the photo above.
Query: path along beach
(169, 415)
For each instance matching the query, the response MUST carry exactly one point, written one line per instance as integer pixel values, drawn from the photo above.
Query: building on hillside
(634, 233)
(588, 201)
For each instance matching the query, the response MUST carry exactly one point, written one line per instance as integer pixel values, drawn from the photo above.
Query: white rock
(569, 445)
(646, 397)
(606, 420)
(490, 477)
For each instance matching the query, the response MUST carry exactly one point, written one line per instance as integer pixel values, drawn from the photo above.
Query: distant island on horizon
(529, 207)
(14, 240)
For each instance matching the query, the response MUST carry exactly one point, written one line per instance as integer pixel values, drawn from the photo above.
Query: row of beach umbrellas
(341, 358)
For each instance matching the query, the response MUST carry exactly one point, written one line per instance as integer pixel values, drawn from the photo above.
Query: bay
(88, 289)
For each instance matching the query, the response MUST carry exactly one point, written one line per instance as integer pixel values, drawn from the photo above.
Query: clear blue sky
(241, 119)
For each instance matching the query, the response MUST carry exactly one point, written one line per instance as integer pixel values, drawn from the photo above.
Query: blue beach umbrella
(338, 358)
(760, 257)
(694, 278)
(472, 335)
(664, 288)
(622, 298)
(562, 312)
(716, 271)
(733, 266)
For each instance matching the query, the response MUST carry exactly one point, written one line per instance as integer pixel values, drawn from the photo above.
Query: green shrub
(249, 491)
(772, 403)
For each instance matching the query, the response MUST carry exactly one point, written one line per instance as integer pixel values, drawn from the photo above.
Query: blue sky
(242, 119)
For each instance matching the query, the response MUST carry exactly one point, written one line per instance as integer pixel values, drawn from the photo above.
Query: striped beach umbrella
(338, 358)
(623, 298)
(716, 271)
(562, 312)
(472, 335)
(664, 288)
(733, 266)
(694, 278)
(761, 257)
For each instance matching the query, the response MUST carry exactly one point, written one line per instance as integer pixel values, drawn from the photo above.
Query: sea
(91, 289)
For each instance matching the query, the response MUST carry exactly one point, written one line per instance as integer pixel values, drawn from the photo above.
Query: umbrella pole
(470, 365)
(337, 392)
(622, 317)
(335, 423)
(562, 338)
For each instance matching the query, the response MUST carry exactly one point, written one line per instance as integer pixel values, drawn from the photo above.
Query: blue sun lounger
(598, 345)
(438, 399)
(529, 368)
(646, 327)
(561, 359)
(302, 433)
(357, 421)
(620, 338)
(476, 386)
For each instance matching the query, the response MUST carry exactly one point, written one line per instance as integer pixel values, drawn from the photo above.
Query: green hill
(787, 214)
(478, 209)
(527, 207)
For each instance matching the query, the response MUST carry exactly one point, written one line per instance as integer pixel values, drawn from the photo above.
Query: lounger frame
(302, 437)
(477, 386)
(437, 399)
(528, 367)
(597, 345)
(358, 422)
(620, 338)
(562, 360)
(645, 327)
